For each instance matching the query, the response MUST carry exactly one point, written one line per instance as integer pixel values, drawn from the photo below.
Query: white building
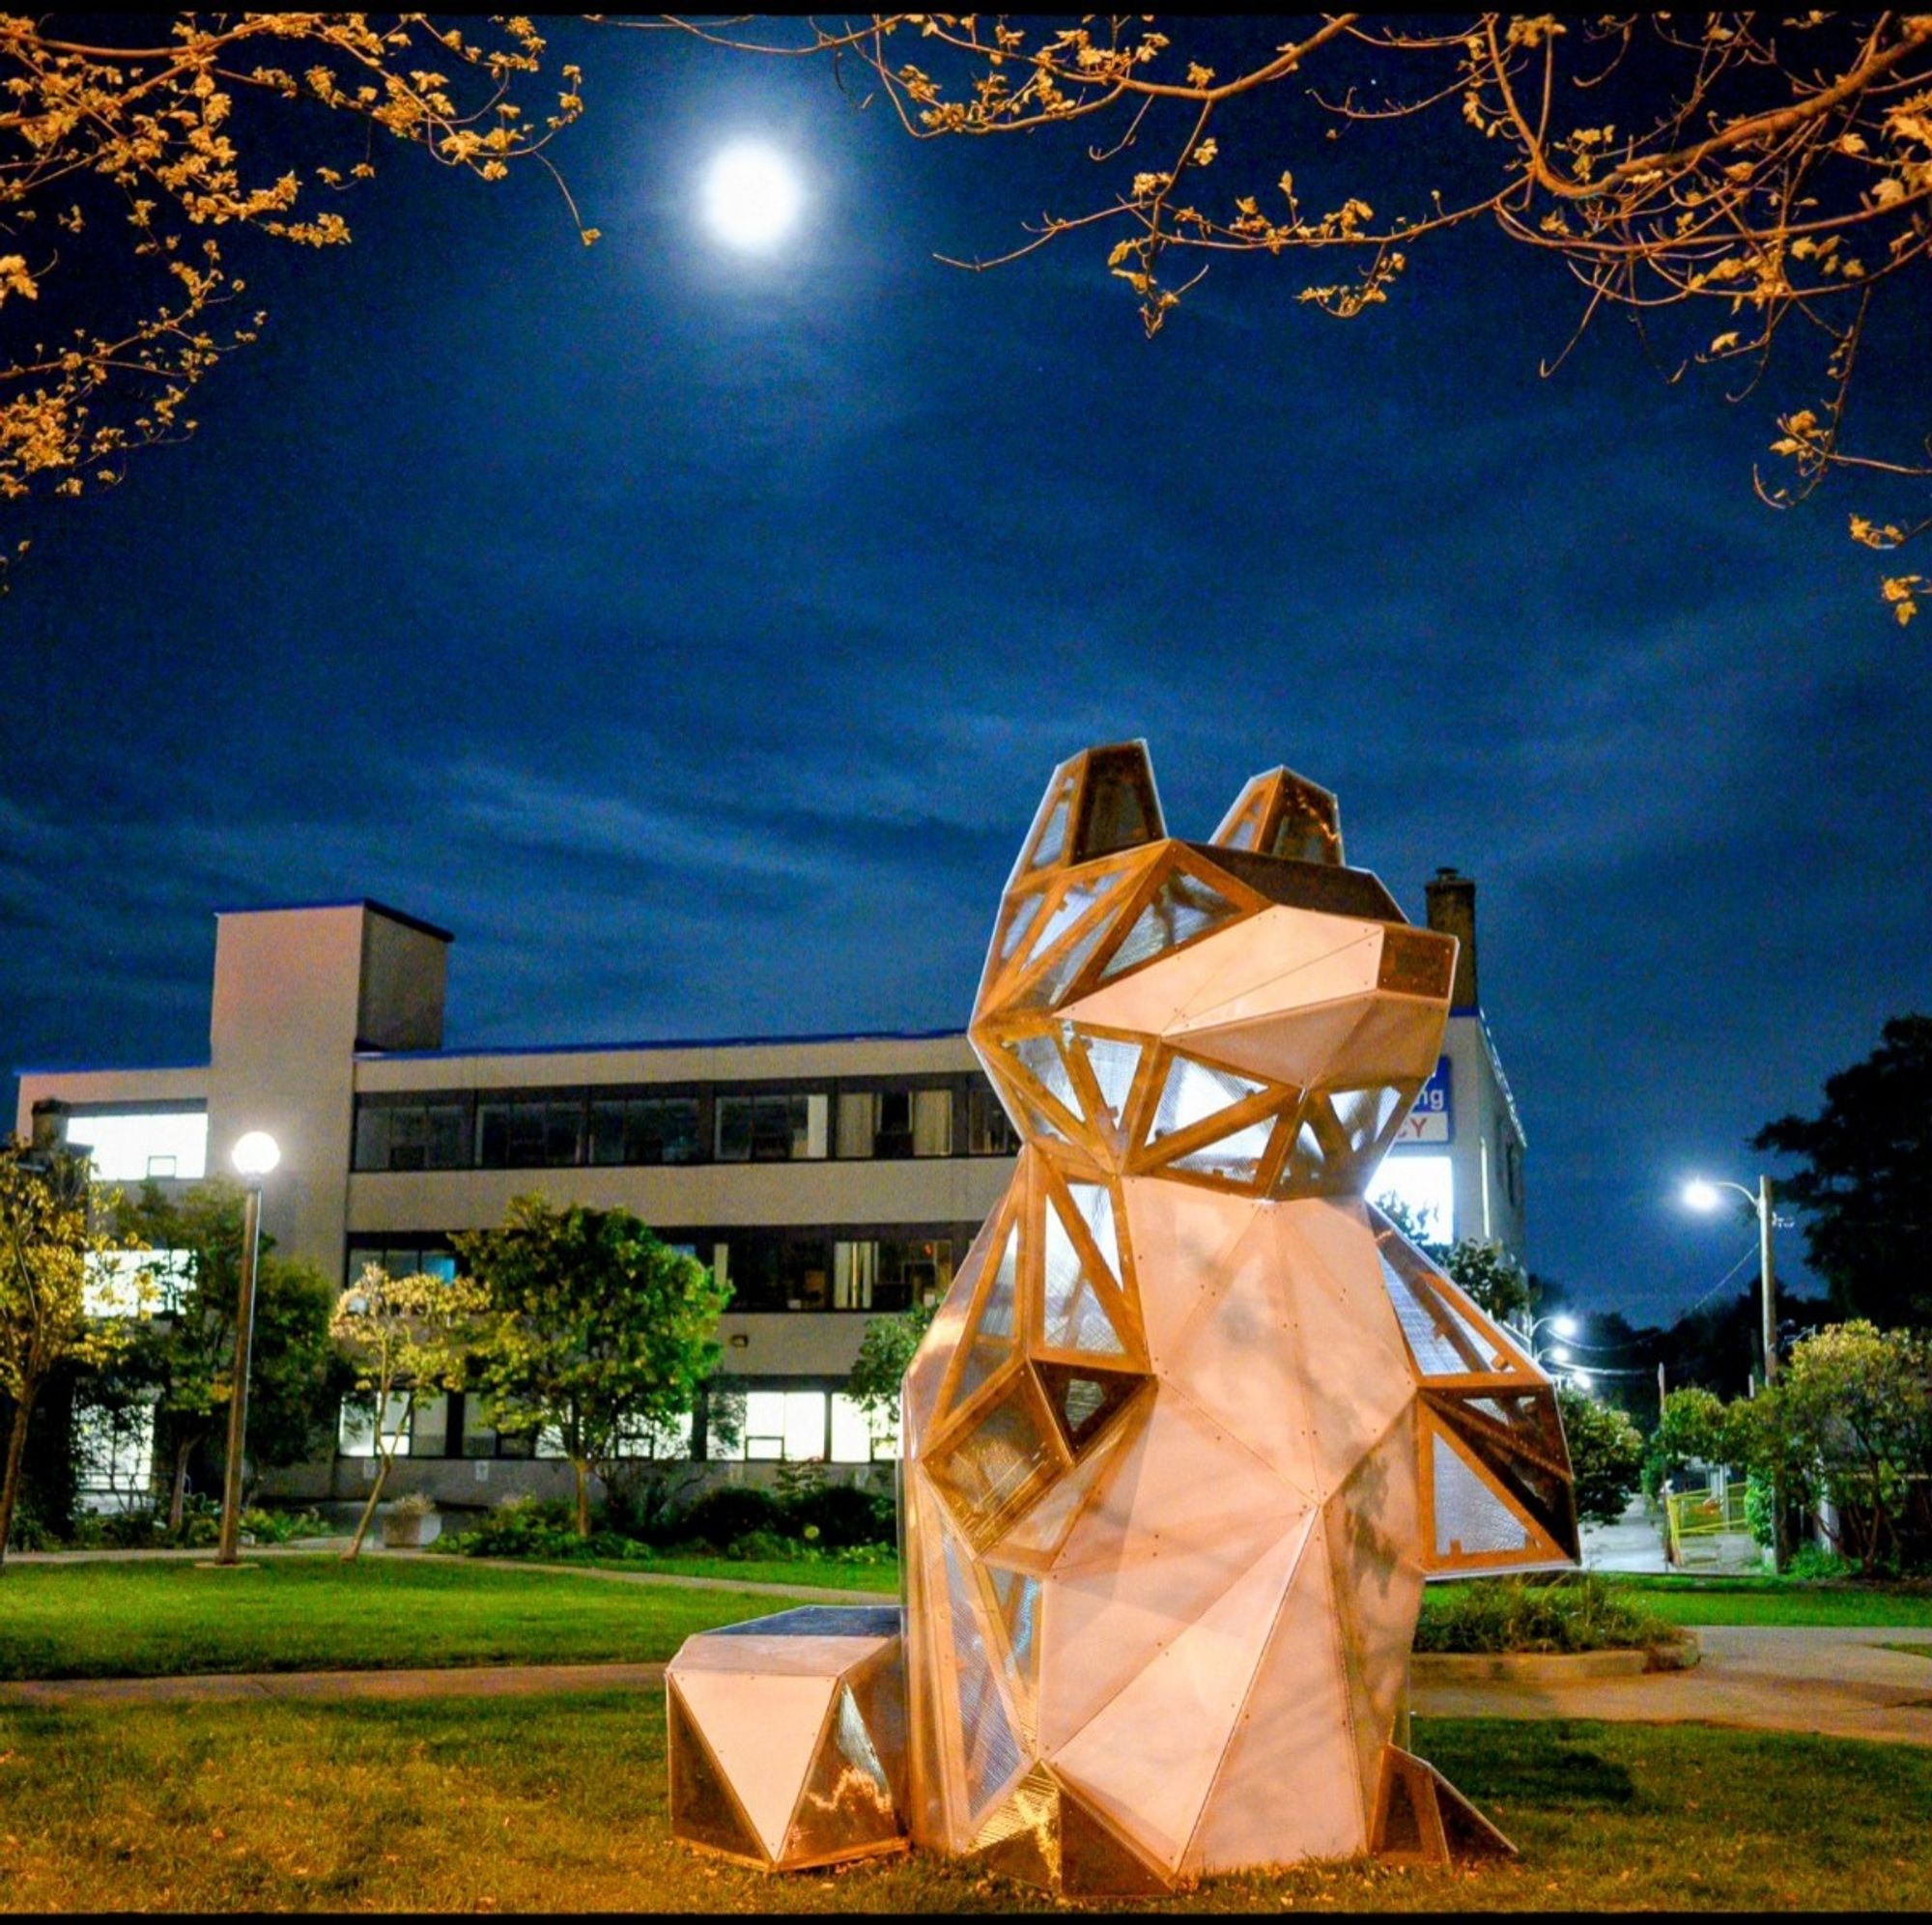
(827, 1178)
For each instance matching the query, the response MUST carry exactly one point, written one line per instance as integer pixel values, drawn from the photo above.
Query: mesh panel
(1470, 1518)
(1305, 1164)
(1075, 1320)
(1073, 905)
(1434, 1348)
(1096, 1203)
(1114, 1064)
(1019, 922)
(992, 1753)
(1364, 1114)
(1181, 908)
(1018, 1598)
(992, 1340)
(999, 1466)
(1236, 1157)
(1053, 838)
(1040, 1057)
(1194, 1091)
(1046, 988)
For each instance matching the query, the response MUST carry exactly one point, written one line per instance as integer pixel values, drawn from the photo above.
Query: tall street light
(1565, 1326)
(255, 1155)
(1702, 1195)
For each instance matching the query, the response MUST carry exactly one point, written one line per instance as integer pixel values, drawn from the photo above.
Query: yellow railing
(1697, 1516)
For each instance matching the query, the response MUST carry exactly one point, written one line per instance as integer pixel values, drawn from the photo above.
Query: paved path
(1842, 1682)
(1839, 1683)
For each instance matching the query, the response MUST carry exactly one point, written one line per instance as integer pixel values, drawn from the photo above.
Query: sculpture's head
(1247, 1012)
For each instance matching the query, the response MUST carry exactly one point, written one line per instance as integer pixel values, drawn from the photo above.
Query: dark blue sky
(694, 635)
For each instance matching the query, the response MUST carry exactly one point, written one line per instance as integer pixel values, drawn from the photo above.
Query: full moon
(752, 196)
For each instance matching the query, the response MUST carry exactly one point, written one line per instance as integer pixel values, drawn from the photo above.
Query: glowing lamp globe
(752, 196)
(1564, 1326)
(1557, 1354)
(256, 1153)
(1581, 1379)
(1699, 1195)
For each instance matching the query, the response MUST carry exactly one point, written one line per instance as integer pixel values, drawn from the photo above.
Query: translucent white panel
(1053, 838)
(1019, 922)
(992, 1752)
(858, 1122)
(1364, 1114)
(1236, 1157)
(1114, 1065)
(1073, 905)
(1194, 1091)
(356, 1431)
(1181, 909)
(812, 1140)
(136, 1283)
(129, 1148)
(1075, 1317)
(991, 1340)
(764, 1425)
(1470, 1518)
(854, 1440)
(1040, 1055)
(1425, 1187)
(1096, 1203)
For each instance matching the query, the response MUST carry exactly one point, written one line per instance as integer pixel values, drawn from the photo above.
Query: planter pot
(407, 1533)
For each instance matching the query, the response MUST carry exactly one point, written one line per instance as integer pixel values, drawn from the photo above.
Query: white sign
(1431, 1117)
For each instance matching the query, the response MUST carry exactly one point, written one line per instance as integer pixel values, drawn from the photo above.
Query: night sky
(694, 634)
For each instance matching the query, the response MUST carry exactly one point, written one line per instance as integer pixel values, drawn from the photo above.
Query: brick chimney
(1452, 909)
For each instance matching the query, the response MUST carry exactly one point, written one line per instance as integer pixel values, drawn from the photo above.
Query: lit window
(854, 1440)
(355, 1429)
(1425, 1187)
(132, 1148)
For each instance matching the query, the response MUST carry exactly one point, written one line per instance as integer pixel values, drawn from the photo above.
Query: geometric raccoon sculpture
(1195, 1422)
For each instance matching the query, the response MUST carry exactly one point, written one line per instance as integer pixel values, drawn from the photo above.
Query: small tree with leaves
(407, 1337)
(1605, 1455)
(50, 1251)
(884, 1354)
(603, 1332)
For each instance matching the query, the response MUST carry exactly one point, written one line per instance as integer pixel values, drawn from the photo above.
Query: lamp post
(1702, 1195)
(255, 1155)
(1565, 1326)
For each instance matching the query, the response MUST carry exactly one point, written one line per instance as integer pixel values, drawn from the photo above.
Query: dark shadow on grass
(1521, 1765)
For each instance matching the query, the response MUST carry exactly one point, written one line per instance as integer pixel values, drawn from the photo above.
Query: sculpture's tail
(1421, 1818)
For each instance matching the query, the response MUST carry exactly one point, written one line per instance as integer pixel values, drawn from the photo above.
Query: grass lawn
(1776, 1600)
(555, 1802)
(813, 1574)
(317, 1613)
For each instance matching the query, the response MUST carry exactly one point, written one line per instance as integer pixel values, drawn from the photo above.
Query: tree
(604, 1333)
(1492, 1277)
(406, 1338)
(1850, 1420)
(885, 1353)
(1696, 1426)
(1866, 1183)
(1751, 171)
(142, 158)
(1605, 1455)
(184, 1357)
(51, 1250)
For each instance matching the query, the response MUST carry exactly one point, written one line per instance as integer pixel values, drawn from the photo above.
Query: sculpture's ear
(1099, 802)
(1284, 815)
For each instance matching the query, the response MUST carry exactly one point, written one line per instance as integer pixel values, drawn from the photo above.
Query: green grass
(316, 1613)
(827, 1573)
(554, 1802)
(1776, 1600)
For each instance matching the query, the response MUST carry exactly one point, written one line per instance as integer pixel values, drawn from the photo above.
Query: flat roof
(367, 903)
(673, 1043)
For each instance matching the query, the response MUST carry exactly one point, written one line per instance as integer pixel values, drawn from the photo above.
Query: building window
(405, 1259)
(771, 1128)
(410, 1136)
(529, 1133)
(778, 1269)
(895, 1122)
(1424, 1186)
(645, 1129)
(889, 1273)
(355, 1428)
(770, 1426)
(854, 1438)
(989, 1130)
(134, 1145)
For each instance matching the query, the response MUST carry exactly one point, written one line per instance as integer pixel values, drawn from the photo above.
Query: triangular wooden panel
(1475, 1519)
(1096, 1863)
(845, 1806)
(1186, 899)
(1021, 1839)
(704, 1810)
(1469, 1837)
(1541, 1490)
(1083, 1400)
(1407, 1825)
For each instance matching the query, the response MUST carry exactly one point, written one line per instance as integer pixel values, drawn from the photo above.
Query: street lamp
(1564, 1324)
(254, 1156)
(1702, 1195)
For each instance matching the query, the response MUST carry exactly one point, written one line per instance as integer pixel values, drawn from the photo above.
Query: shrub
(836, 1515)
(729, 1513)
(280, 1527)
(1565, 1613)
(1812, 1562)
(765, 1546)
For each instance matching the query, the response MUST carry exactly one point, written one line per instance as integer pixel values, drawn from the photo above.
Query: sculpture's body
(1195, 1422)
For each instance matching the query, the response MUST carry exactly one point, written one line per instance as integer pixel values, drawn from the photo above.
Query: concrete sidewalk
(1841, 1683)
(1837, 1682)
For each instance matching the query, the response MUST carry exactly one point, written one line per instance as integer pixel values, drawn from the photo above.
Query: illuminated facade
(828, 1177)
